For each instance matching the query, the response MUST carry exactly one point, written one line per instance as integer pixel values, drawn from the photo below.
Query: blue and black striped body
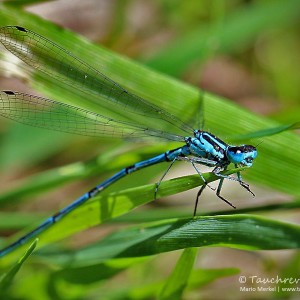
(203, 145)
(207, 145)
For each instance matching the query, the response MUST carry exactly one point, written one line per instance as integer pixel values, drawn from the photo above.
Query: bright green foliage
(7, 279)
(179, 278)
(61, 271)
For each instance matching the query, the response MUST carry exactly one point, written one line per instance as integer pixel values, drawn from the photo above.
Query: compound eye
(235, 150)
(235, 154)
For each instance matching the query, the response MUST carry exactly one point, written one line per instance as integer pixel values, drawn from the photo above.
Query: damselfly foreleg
(245, 185)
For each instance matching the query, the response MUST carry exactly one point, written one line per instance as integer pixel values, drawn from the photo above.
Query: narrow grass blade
(178, 280)
(266, 132)
(7, 278)
(87, 274)
(238, 31)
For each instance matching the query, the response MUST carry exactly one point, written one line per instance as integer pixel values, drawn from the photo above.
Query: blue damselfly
(40, 53)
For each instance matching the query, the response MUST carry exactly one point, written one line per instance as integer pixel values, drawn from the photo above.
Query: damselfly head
(241, 155)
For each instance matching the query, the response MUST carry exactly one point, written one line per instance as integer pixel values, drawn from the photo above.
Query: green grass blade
(202, 277)
(104, 208)
(178, 280)
(198, 278)
(17, 220)
(39, 148)
(7, 279)
(159, 214)
(246, 232)
(87, 274)
(266, 132)
(112, 161)
(235, 33)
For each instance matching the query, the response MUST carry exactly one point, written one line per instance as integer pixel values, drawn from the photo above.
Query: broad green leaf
(246, 232)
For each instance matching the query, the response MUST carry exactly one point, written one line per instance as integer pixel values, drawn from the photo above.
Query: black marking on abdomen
(9, 92)
(92, 192)
(21, 28)
(128, 169)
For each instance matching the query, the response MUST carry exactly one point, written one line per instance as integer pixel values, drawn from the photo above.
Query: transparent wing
(49, 114)
(51, 59)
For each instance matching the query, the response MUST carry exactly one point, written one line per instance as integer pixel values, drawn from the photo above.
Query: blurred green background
(245, 51)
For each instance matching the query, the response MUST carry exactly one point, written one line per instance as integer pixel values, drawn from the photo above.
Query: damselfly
(40, 53)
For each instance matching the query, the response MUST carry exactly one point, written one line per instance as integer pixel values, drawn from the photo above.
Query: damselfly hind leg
(219, 191)
(161, 179)
(197, 198)
(190, 160)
